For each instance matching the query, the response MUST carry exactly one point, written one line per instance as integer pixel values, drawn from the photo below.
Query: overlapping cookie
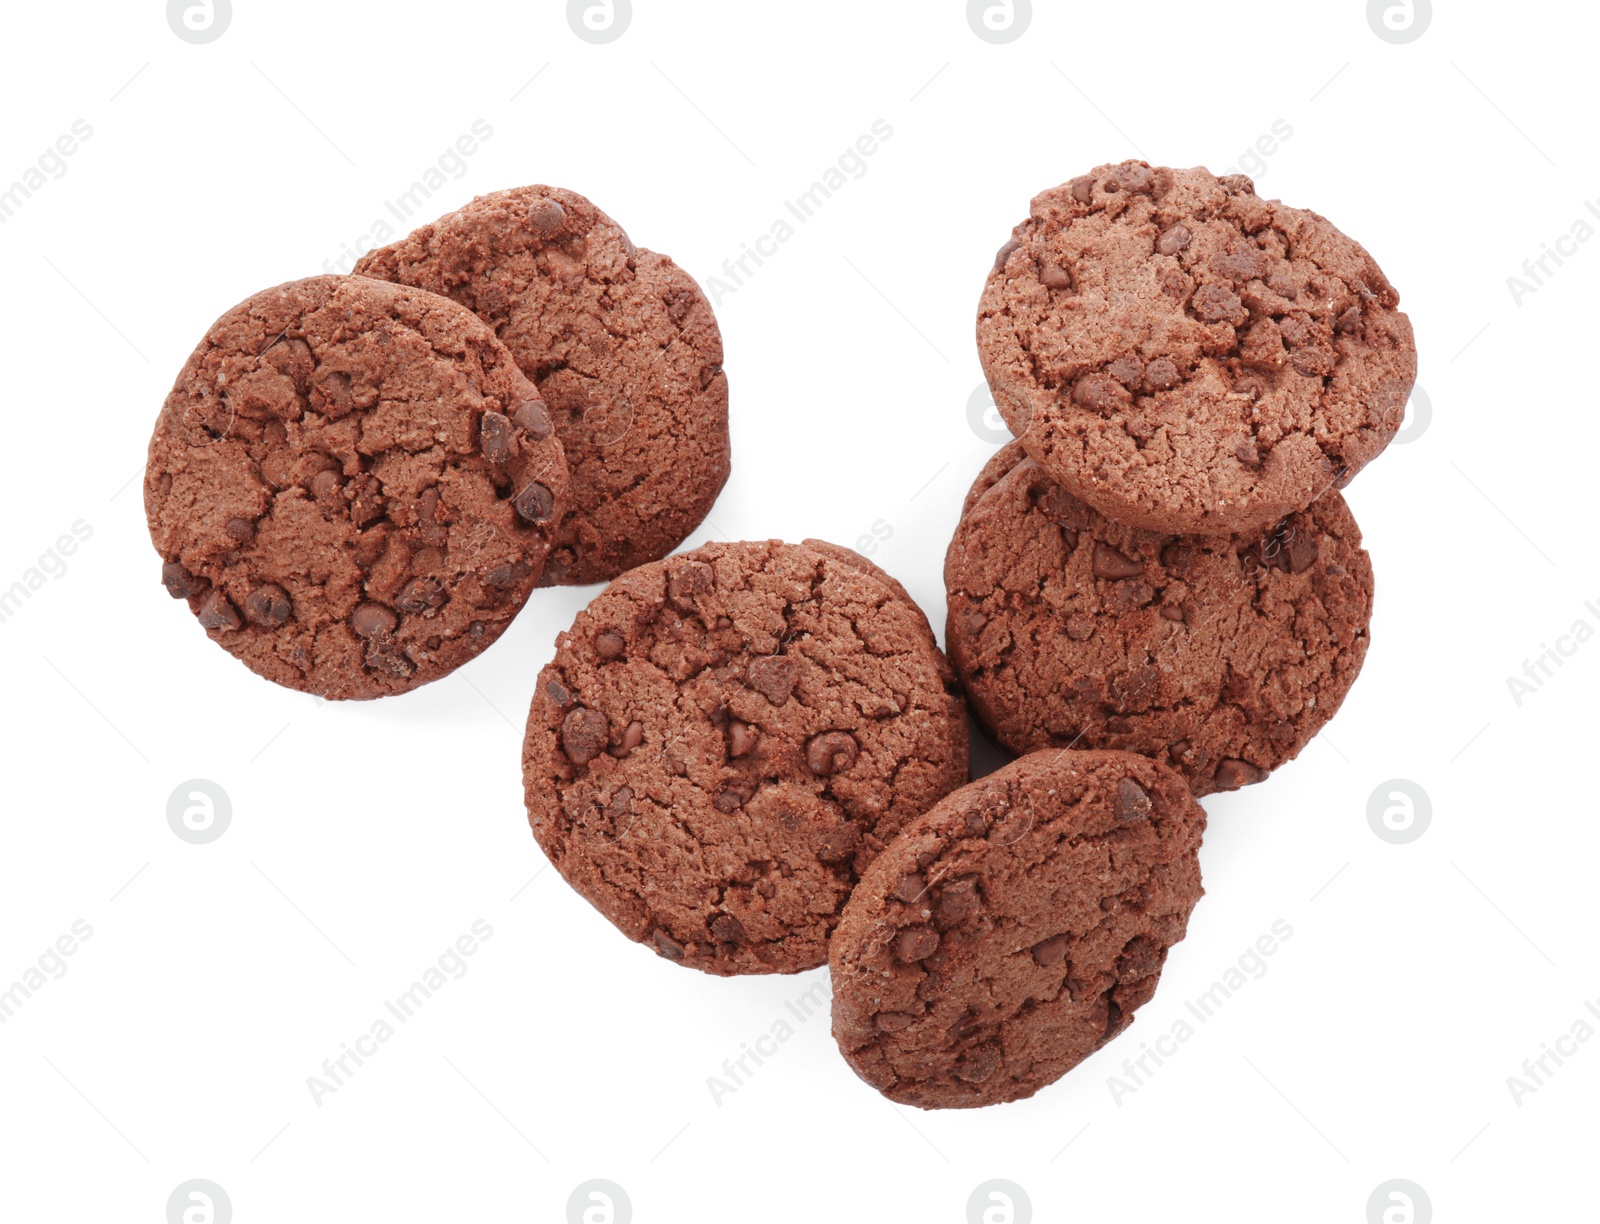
(1185, 356)
(353, 485)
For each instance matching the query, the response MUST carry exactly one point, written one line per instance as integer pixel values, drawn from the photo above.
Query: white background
(366, 838)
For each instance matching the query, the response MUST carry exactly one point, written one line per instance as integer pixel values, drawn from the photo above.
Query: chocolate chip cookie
(623, 348)
(1220, 655)
(353, 486)
(1188, 357)
(1015, 928)
(726, 738)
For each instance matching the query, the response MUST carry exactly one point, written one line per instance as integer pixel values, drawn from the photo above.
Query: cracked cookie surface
(1014, 929)
(1188, 357)
(1219, 655)
(623, 347)
(726, 738)
(352, 485)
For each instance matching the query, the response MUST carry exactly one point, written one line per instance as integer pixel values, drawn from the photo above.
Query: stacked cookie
(357, 480)
(1162, 561)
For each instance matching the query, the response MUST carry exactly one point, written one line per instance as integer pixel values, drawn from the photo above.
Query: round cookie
(623, 347)
(353, 486)
(1221, 655)
(1015, 928)
(1188, 357)
(726, 738)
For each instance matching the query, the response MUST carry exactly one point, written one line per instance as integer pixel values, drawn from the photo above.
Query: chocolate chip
(1219, 304)
(667, 946)
(1141, 957)
(620, 809)
(609, 644)
(1301, 553)
(772, 676)
(1050, 952)
(1233, 773)
(421, 595)
(1173, 239)
(959, 900)
(1134, 690)
(1161, 375)
(741, 739)
(1314, 362)
(727, 928)
(1130, 596)
(1109, 563)
(1172, 612)
(535, 503)
(330, 393)
(1177, 557)
(1237, 184)
(1350, 320)
(534, 419)
(840, 844)
(241, 530)
(1127, 370)
(911, 888)
(1080, 628)
(728, 801)
(975, 621)
(494, 437)
(368, 503)
(691, 580)
(894, 1022)
(180, 583)
(557, 692)
(371, 619)
(831, 752)
(1083, 189)
(546, 216)
(978, 1065)
(722, 622)
(1132, 803)
(1246, 453)
(217, 613)
(632, 737)
(508, 575)
(1179, 750)
(583, 734)
(1004, 253)
(1100, 393)
(1132, 177)
(325, 485)
(916, 943)
(433, 532)
(1241, 263)
(1054, 276)
(268, 605)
